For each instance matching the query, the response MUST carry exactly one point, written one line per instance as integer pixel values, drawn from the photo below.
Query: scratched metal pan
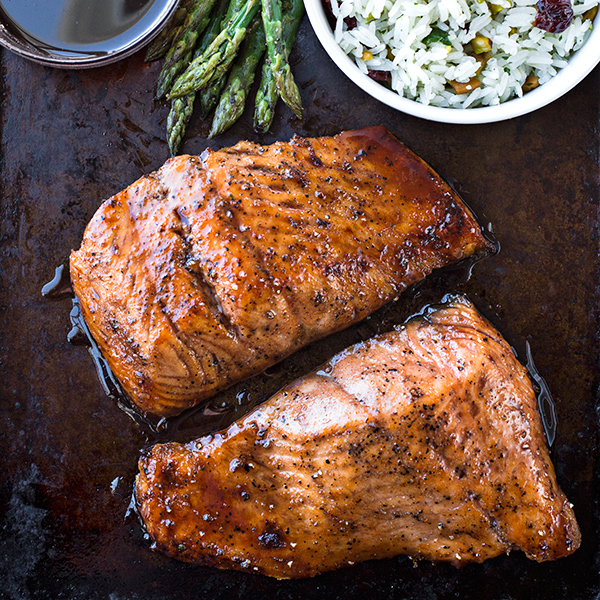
(72, 138)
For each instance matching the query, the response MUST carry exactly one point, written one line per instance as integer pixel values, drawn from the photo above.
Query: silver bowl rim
(20, 46)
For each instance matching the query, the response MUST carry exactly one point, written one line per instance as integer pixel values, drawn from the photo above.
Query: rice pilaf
(457, 53)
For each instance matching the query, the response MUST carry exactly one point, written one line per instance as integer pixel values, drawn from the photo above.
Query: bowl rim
(580, 65)
(19, 46)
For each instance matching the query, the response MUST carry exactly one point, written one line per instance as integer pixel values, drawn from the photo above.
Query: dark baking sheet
(68, 457)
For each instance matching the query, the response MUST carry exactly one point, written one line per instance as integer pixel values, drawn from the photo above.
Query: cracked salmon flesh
(426, 441)
(213, 268)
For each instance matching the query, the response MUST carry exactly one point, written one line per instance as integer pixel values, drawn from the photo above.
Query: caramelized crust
(426, 441)
(216, 267)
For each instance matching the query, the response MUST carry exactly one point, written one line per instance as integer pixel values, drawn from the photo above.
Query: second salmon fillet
(425, 441)
(213, 268)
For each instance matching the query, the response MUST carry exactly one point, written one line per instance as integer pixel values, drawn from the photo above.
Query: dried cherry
(553, 15)
(380, 75)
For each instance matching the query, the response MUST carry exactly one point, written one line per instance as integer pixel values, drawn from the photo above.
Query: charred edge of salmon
(383, 137)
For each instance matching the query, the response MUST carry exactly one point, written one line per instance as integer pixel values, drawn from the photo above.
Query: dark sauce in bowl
(80, 33)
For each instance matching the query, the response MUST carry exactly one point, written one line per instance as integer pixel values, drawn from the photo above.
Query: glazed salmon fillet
(426, 441)
(213, 268)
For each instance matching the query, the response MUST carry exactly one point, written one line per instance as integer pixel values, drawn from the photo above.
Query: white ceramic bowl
(580, 65)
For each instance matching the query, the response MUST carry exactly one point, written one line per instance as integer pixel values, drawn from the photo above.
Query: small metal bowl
(129, 39)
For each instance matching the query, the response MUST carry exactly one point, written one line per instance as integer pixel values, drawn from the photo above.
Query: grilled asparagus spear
(179, 116)
(180, 54)
(161, 44)
(266, 97)
(266, 100)
(241, 77)
(278, 55)
(221, 13)
(215, 61)
(210, 94)
(182, 108)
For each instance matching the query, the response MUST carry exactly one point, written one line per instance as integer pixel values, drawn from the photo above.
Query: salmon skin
(426, 441)
(214, 268)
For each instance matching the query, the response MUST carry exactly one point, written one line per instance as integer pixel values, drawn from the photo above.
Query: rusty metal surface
(71, 139)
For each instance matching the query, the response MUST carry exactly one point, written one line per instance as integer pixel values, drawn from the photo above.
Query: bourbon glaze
(216, 267)
(425, 441)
